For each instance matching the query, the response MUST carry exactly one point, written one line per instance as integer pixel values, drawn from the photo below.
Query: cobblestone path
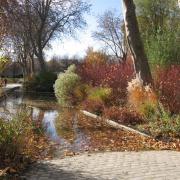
(150, 165)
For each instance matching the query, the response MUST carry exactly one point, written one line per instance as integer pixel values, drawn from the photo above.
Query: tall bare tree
(35, 23)
(16, 33)
(111, 32)
(52, 18)
(135, 43)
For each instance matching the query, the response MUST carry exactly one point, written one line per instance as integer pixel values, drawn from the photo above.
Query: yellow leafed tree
(96, 57)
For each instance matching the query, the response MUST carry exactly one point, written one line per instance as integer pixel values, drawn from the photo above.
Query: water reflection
(60, 124)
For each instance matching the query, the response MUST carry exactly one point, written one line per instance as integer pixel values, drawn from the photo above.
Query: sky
(77, 47)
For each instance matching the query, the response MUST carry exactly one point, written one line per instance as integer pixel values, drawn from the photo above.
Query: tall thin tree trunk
(32, 66)
(135, 43)
(42, 62)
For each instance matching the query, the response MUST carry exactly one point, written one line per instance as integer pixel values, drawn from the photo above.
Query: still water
(60, 124)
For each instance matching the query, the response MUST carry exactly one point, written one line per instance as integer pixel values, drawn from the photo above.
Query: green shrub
(12, 136)
(162, 123)
(99, 94)
(166, 127)
(96, 100)
(148, 111)
(43, 82)
(9, 129)
(65, 86)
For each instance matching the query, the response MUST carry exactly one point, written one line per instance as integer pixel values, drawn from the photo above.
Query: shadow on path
(156, 165)
(49, 171)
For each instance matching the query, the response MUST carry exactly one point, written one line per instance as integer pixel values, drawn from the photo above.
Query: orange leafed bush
(94, 106)
(123, 115)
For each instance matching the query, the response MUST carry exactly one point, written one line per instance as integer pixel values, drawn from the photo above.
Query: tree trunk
(135, 43)
(32, 67)
(42, 61)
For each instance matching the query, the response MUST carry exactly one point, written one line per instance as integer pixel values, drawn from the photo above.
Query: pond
(60, 124)
(72, 132)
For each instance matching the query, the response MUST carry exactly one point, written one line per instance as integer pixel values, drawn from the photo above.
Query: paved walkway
(150, 165)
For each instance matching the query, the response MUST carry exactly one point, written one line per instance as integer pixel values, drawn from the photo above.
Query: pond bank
(113, 123)
(9, 88)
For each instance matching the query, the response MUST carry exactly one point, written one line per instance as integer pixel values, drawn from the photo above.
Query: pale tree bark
(135, 43)
(32, 66)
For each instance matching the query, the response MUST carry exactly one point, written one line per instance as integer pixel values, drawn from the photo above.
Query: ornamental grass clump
(141, 98)
(65, 86)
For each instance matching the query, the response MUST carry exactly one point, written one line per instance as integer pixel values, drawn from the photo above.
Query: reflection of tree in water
(37, 115)
(40, 116)
(65, 124)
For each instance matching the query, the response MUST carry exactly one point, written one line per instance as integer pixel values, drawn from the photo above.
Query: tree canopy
(160, 28)
(35, 23)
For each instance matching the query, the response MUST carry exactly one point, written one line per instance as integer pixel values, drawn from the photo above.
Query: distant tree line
(56, 64)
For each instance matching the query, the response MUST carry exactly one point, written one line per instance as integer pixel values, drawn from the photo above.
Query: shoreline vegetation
(22, 142)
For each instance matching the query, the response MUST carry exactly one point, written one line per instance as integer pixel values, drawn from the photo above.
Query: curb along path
(148, 165)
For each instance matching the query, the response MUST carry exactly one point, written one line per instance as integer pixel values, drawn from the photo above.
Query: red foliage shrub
(93, 106)
(115, 76)
(123, 115)
(167, 82)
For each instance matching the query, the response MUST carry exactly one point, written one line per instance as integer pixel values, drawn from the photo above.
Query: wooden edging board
(114, 124)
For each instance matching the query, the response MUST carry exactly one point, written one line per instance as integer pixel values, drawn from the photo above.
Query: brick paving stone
(155, 165)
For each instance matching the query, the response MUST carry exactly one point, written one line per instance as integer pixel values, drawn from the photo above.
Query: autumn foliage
(111, 75)
(96, 57)
(21, 142)
(123, 115)
(167, 82)
(140, 97)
